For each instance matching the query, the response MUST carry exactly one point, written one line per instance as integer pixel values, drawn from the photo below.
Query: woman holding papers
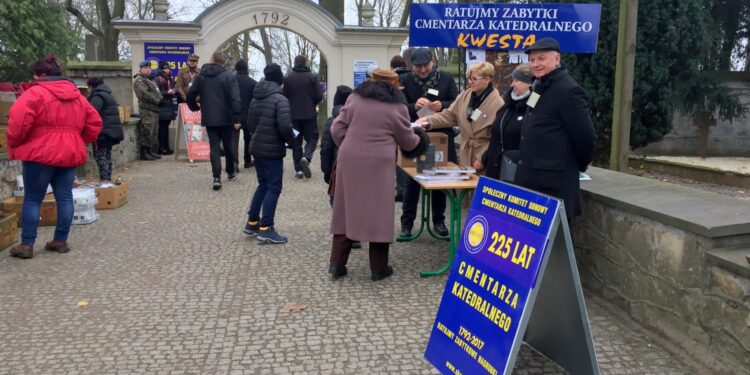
(370, 127)
(506, 130)
(473, 112)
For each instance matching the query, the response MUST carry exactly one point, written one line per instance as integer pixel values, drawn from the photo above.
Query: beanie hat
(272, 72)
(342, 93)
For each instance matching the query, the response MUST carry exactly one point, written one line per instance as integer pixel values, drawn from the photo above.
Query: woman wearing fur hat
(370, 128)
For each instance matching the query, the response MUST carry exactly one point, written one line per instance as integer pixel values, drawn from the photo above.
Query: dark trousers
(236, 146)
(220, 135)
(341, 247)
(411, 200)
(308, 131)
(103, 157)
(401, 179)
(36, 178)
(163, 135)
(270, 173)
(246, 137)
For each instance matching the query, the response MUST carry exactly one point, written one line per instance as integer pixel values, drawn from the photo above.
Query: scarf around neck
(432, 80)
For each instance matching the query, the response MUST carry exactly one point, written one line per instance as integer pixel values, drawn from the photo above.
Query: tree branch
(86, 23)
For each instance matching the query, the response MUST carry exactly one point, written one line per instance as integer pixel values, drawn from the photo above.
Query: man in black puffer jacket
(271, 125)
(102, 100)
(220, 110)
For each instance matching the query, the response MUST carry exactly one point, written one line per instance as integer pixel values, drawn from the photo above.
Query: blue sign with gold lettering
(496, 268)
(176, 54)
(504, 26)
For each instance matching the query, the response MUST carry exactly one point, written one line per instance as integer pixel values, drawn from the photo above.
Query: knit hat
(523, 73)
(272, 72)
(342, 93)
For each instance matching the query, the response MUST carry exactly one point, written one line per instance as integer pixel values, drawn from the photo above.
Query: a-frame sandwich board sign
(514, 279)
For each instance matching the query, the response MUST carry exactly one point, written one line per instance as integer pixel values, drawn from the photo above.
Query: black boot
(153, 155)
(145, 155)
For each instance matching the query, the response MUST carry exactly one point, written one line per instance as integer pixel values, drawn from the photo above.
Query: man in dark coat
(302, 88)
(557, 136)
(220, 111)
(427, 88)
(270, 123)
(247, 85)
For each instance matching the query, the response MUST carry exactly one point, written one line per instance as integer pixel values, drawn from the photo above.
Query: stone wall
(724, 139)
(654, 267)
(116, 74)
(122, 153)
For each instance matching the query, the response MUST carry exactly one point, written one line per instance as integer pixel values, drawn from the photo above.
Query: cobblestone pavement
(174, 287)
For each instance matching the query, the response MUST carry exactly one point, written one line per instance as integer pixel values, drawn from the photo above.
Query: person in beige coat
(473, 112)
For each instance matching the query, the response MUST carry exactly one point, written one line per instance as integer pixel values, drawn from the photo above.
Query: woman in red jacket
(48, 128)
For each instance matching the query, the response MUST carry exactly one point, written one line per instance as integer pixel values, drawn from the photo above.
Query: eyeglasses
(474, 79)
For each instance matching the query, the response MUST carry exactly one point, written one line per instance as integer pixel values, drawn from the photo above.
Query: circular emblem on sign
(475, 234)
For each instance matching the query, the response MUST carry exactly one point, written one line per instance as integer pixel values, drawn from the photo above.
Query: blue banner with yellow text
(176, 54)
(497, 265)
(504, 26)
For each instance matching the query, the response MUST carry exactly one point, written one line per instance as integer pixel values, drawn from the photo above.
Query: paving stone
(174, 287)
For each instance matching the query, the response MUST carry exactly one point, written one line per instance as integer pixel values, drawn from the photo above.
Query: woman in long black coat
(505, 134)
(105, 104)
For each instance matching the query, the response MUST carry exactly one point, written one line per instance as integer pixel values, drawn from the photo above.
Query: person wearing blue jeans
(270, 173)
(268, 120)
(36, 178)
(48, 129)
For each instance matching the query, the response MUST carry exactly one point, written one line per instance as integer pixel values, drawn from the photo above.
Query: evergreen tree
(30, 29)
(674, 41)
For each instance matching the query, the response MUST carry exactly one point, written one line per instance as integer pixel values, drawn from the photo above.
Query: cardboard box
(8, 230)
(4, 111)
(109, 198)
(440, 140)
(47, 211)
(124, 114)
(3, 138)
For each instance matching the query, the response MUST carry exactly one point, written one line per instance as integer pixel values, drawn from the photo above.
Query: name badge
(433, 92)
(475, 115)
(533, 99)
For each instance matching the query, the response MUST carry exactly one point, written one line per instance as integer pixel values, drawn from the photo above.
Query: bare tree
(101, 25)
(387, 12)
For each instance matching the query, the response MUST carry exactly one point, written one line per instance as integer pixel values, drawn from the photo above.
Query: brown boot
(57, 246)
(22, 251)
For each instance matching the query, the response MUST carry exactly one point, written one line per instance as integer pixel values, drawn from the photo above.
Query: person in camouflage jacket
(148, 102)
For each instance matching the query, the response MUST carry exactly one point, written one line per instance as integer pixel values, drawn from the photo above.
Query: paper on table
(424, 112)
(583, 177)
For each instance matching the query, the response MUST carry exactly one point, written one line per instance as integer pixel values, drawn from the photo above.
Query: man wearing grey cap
(426, 87)
(557, 135)
(148, 106)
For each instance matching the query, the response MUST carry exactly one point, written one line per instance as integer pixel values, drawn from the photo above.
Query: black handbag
(508, 165)
(508, 159)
